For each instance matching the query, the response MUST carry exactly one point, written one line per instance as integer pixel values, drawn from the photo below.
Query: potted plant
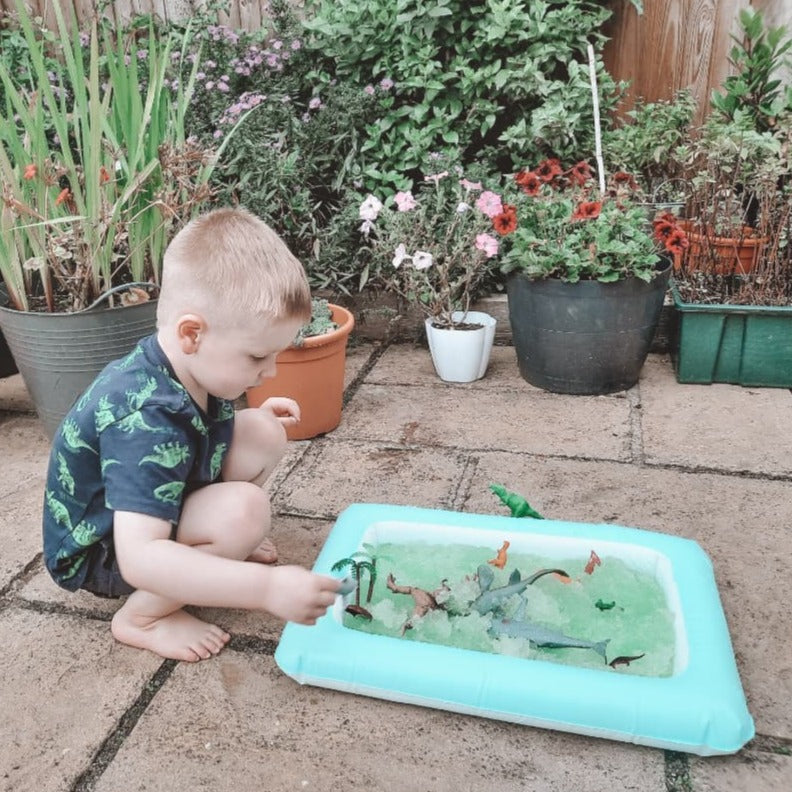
(311, 371)
(587, 278)
(733, 316)
(734, 324)
(435, 249)
(97, 174)
(727, 165)
(647, 144)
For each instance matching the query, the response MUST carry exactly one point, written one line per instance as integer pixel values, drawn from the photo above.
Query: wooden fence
(673, 44)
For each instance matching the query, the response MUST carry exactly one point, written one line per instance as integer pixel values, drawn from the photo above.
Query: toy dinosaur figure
(424, 600)
(518, 506)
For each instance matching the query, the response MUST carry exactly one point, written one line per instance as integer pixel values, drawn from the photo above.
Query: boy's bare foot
(265, 553)
(177, 636)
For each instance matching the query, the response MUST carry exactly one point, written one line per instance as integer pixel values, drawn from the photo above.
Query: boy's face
(231, 359)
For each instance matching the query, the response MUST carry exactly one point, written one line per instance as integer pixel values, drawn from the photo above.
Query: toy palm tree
(357, 563)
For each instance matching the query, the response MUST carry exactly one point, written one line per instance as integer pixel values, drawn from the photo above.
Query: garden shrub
(499, 83)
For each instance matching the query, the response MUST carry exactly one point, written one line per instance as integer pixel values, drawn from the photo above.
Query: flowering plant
(96, 170)
(435, 248)
(562, 226)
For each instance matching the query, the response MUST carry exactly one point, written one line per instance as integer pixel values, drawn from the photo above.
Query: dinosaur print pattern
(65, 478)
(135, 441)
(168, 455)
(169, 493)
(216, 462)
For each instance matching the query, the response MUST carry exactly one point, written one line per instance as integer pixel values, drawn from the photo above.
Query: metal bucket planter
(60, 354)
(586, 337)
(7, 363)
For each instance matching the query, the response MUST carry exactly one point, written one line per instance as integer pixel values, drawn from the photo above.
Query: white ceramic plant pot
(462, 355)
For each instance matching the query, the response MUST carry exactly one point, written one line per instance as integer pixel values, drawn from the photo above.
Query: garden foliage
(493, 82)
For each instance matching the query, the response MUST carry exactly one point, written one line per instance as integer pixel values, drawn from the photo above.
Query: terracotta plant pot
(312, 375)
(720, 255)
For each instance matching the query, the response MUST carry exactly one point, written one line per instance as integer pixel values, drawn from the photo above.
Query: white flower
(400, 256)
(422, 260)
(462, 207)
(365, 227)
(370, 208)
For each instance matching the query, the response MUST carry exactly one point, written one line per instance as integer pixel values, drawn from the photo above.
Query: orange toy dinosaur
(500, 560)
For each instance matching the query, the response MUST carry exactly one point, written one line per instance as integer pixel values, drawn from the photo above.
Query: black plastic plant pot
(586, 337)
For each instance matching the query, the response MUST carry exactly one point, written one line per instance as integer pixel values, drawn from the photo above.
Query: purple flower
(370, 90)
(386, 83)
(315, 103)
(296, 44)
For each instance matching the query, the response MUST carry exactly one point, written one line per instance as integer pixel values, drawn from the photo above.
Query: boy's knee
(252, 512)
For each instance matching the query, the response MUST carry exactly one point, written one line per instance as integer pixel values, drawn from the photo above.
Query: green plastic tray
(738, 344)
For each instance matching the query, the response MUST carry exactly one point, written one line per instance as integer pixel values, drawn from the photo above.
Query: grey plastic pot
(586, 337)
(60, 354)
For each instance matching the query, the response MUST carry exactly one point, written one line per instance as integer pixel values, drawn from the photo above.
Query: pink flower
(488, 244)
(386, 83)
(490, 204)
(469, 185)
(369, 89)
(405, 201)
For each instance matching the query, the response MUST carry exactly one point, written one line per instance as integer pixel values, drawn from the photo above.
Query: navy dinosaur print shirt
(134, 441)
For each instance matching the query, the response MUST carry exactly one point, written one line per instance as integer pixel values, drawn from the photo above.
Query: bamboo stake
(597, 134)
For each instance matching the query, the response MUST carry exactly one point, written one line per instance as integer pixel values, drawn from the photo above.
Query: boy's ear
(189, 331)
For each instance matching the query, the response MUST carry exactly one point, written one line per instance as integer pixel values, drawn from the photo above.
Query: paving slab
(14, 396)
(333, 475)
(64, 686)
(20, 530)
(24, 449)
(470, 417)
(752, 771)
(238, 723)
(722, 427)
(742, 524)
(411, 364)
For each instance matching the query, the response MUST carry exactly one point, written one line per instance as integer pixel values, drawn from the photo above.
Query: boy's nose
(268, 370)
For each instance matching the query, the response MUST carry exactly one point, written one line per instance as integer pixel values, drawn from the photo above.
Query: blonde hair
(228, 264)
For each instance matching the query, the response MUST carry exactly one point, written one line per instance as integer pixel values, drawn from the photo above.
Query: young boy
(154, 488)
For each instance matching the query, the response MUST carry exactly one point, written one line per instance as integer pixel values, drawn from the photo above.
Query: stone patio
(711, 463)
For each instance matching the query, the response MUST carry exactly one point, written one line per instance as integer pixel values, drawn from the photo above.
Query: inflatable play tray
(697, 707)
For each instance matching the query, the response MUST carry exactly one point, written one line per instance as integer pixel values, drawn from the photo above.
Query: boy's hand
(286, 410)
(295, 594)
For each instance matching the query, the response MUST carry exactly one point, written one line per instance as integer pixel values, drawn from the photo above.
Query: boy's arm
(150, 560)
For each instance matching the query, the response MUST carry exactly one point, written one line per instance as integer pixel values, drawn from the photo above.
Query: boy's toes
(265, 553)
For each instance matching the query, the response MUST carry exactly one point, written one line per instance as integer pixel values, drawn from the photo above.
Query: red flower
(104, 176)
(677, 242)
(30, 172)
(587, 210)
(548, 170)
(64, 195)
(506, 222)
(579, 174)
(529, 182)
(663, 229)
(622, 179)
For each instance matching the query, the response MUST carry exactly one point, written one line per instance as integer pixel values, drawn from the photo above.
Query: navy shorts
(103, 577)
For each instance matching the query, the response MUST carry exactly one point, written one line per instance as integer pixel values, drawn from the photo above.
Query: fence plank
(674, 44)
